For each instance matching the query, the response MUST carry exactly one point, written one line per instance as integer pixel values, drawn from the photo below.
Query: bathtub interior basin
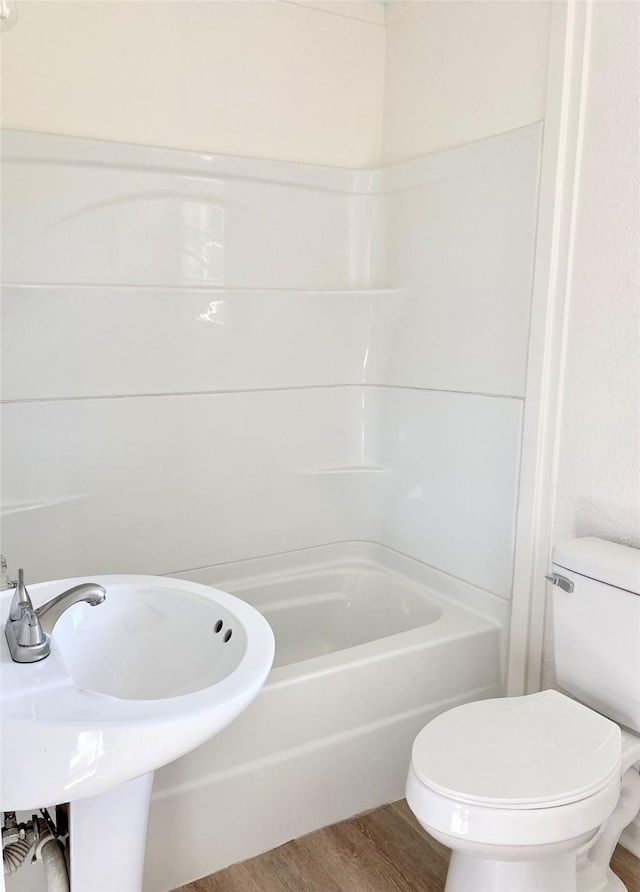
(130, 685)
(332, 609)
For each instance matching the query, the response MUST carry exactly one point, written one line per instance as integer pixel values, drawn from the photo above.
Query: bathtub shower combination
(301, 385)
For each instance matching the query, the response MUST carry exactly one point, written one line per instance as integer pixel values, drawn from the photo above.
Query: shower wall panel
(183, 347)
(164, 483)
(458, 228)
(94, 212)
(95, 341)
(207, 358)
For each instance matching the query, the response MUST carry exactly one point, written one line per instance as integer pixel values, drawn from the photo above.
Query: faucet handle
(21, 600)
(29, 631)
(5, 580)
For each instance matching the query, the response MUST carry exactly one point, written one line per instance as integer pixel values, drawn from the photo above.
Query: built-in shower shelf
(19, 506)
(230, 290)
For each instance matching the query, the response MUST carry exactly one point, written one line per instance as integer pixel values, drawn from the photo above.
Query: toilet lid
(519, 752)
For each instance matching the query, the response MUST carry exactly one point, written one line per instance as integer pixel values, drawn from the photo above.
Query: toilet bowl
(532, 793)
(521, 789)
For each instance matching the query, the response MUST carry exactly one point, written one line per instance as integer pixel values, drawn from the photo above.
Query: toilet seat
(513, 829)
(534, 752)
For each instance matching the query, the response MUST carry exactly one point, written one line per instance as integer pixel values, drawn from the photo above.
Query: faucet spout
(50, 613)
(28, 631)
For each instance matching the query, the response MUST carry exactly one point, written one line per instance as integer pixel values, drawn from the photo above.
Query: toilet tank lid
(599, 559)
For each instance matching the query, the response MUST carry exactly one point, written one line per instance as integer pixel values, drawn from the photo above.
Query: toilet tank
(596, 627)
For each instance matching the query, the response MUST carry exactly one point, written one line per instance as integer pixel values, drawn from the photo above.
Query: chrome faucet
(28, 631)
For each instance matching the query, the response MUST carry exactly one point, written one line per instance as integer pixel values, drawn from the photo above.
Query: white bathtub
(370, 645)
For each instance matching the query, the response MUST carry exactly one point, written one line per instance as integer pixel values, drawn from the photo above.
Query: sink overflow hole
(227, 636)
(218, 626)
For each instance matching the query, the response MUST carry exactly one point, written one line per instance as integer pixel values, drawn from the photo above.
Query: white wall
(461, 71)
(598, 474)
(597, 484)
(200, 75)
(264, 79)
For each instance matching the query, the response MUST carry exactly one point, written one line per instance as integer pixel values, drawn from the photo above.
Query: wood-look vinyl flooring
(383, 851)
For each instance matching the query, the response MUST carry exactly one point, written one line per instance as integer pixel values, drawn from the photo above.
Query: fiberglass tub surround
(319, 368)
(372, 391)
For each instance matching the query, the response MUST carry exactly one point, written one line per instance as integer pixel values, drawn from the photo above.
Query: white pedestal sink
(130, 685)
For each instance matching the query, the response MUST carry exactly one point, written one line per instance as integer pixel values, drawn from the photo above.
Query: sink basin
(130, 684)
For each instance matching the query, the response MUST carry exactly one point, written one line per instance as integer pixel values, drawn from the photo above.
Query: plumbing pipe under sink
(38, 841)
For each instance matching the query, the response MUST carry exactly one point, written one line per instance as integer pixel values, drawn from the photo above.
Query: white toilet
(532, 793)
